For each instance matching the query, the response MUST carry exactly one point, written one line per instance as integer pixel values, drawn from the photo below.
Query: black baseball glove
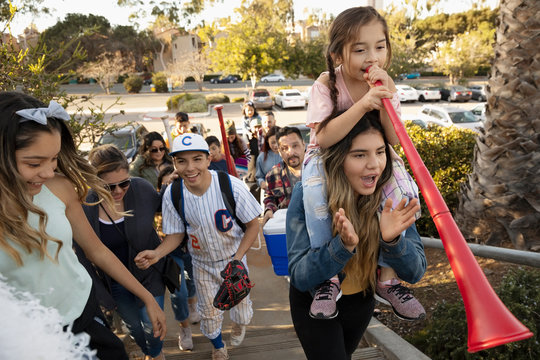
(235, 286)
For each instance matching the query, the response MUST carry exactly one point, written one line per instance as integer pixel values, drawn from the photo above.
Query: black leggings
(334, 339)
(102, 339)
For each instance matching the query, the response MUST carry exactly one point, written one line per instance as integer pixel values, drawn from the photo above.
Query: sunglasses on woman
(155, 150)
(122, 184)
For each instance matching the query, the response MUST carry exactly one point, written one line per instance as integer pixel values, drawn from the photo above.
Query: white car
(272, 78)
(450, 116)
(480, 111)
(406, 93)
(427, 93)
(289, 98)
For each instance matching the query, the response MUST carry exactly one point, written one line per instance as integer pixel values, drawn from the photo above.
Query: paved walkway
(270, 335)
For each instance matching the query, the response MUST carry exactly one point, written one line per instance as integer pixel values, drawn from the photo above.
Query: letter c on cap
(185, 142)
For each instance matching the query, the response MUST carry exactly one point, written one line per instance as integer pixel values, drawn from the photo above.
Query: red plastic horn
(230, 166)
(490, 323)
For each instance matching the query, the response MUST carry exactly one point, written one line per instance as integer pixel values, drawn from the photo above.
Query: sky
(119, 15)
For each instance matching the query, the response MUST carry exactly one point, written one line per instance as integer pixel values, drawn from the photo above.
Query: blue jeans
(187, 287)
(318, 219)
(137, 320)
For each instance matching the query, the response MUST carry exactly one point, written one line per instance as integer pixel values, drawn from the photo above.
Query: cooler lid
(276, 225)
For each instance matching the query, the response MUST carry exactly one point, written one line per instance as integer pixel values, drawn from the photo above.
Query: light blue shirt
(65, 285)
(264, 166)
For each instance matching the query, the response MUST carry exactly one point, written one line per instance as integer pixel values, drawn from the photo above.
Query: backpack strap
(178, 203)
(228, 197)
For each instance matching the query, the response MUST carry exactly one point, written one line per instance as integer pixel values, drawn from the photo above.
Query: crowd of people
(88, 235)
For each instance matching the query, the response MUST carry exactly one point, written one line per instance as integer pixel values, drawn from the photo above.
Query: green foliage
(445, 336)
(217, 99)
(447, 153)
(306, 58)
(194, 106)
(240, 99)
(175, 102)
(133, 84)
(256, 45)
(25, 70)
(160, 82)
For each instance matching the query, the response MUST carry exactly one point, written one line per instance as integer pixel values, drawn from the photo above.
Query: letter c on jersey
(223, 220)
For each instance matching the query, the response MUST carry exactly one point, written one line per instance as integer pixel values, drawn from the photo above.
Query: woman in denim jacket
(356, 169)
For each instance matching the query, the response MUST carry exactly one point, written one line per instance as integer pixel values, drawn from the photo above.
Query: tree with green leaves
(26, 70)
(465, 54)
(501, 201)
(174, 11)
(256, 45)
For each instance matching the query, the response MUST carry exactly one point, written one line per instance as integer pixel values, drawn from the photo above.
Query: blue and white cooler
(276, 243)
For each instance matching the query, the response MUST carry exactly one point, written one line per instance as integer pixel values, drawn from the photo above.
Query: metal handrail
(520, 257)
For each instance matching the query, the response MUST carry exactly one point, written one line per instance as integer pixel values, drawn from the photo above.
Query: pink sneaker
(400, 298)
(324, 302)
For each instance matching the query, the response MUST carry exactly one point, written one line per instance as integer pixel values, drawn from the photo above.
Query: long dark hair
(143, 150)
(15, 203)
(343, 30)
(360, 209)
(266, 146)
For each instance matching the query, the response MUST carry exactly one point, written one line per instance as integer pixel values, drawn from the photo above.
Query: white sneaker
(237, 334)
(194, 316)
(220, 354)
(185, 341)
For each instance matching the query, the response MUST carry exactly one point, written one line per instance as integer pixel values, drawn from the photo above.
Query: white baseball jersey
(214, 238)
(213, 233)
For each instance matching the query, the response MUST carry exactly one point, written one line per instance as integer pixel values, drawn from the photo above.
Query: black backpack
(226, 193)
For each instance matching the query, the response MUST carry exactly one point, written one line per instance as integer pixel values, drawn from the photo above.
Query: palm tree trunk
(501, 200)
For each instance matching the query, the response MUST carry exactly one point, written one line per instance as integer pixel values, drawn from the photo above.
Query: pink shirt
(320, 104)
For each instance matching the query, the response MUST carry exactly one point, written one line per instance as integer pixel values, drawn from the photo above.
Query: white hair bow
(40, 115)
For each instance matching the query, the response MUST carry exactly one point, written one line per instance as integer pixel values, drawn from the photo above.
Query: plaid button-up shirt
(279, 190)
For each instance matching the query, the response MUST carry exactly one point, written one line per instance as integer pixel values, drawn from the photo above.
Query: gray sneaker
(194, 316)
(185, 341)
(324, 302)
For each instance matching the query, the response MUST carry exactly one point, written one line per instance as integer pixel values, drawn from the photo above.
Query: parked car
(406, 93)
(455, 93)
(128, 139)
(304, 130)
(427, 93)
(307, 94)
(413, 75)
(449, 116)
(272, 78)
(480, 111)
(261, 98)
(289, 98)
(230, 79)
(478, 92)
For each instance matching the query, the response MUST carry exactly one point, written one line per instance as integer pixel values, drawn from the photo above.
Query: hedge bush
(240, 99)
(175, 102)
(447, 153)
(160, 82)
(445, 336)
(194, 106)
(217, 99)
(133, 84)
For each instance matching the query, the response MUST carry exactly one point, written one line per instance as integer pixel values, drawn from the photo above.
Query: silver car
(450, 116)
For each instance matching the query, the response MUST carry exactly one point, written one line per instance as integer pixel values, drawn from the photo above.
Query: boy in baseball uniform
(215, 238)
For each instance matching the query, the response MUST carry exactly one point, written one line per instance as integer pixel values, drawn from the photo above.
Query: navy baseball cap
(189, 142)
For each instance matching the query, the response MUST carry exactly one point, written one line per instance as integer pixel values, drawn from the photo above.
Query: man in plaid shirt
(283, 176)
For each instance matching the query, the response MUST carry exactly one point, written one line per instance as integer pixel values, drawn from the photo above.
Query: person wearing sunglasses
(153, 156)
(125, 236)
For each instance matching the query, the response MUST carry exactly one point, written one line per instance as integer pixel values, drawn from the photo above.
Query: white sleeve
(247, 207)
(171, 220)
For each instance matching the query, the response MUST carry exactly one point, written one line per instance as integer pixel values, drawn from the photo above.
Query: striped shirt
(213, 233)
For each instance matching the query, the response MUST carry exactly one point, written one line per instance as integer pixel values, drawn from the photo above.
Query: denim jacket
(309, 267)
